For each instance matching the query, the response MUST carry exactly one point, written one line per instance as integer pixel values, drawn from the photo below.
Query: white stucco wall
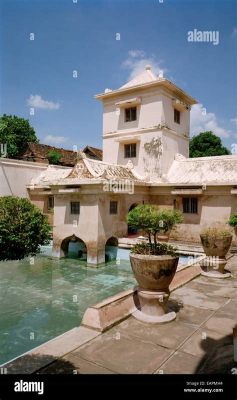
(215, 207)
(168, 109)
(96, 225)
(173, 144)
(147, 163)
(156, 108)
(149, 112)
(15, 175)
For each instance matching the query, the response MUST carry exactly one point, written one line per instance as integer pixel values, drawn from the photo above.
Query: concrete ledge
(50, 351)
(113, 310)
(110, 311)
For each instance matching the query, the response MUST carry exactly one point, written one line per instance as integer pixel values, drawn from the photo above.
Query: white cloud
(201, 122)
(234, 32)
(136, 53)
(55, 140)
(36, 101)
(234, 120)
(137, 60)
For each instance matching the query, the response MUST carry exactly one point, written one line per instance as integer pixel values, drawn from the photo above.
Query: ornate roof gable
(80, 170)
(88, 168)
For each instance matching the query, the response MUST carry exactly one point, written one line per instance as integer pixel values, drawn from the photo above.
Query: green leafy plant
(233, 221)
(15, 133)
(54, 157)
(206, 144)
(23, 228)
(152, 220)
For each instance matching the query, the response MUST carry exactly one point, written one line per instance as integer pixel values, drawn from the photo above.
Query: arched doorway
(74, 247)
(111, 249)
(132, 231)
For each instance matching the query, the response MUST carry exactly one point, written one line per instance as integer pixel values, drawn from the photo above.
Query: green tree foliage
(206, 144)
(153, 220)
(15, 132)
(233, 220)
(23, 228)
(54, 157)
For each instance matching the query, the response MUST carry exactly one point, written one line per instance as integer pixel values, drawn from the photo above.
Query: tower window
(113, 207)
(130, 150)
(176, 116)
(75, 207)
(190, 205)
(130, 114)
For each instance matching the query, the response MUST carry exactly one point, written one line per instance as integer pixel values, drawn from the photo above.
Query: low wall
(15, 175)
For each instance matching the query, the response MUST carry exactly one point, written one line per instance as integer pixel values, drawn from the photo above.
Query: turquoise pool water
(44, 299)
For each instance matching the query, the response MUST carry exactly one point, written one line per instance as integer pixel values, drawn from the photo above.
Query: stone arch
(111, 249)
(132, 206)
(75, 246)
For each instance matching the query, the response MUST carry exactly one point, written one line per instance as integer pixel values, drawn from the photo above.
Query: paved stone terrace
(200, 340)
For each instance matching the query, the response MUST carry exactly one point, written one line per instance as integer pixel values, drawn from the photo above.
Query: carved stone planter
(215, 249)
(154, 275)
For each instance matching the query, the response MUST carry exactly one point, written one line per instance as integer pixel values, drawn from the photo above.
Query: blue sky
(80, 35)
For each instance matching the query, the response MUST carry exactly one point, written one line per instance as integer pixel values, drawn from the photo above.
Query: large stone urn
(154, 275)
(215, 247)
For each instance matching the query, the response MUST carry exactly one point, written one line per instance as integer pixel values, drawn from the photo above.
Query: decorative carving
(130, 164)
(80, 171)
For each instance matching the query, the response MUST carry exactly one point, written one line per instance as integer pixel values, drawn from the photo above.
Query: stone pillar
(153, 307)
(95, 254)
(60, 247)
(153, 303)
(58, 252)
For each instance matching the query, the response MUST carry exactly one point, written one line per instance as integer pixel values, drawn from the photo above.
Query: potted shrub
(168, 220)
(153, 263)
(216, 243)
(233, 222)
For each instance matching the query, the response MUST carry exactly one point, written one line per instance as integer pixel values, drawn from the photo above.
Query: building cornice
(159, 83)
(128, 132)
